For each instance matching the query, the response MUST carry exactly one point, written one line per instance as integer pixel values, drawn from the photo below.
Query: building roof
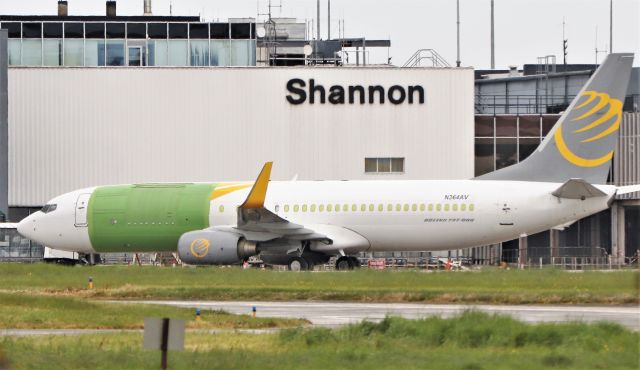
(96, 18)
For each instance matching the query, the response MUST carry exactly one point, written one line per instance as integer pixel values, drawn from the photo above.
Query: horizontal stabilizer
(578, 189)
(628, 189)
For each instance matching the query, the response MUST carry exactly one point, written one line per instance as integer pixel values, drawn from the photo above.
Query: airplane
(304, 223)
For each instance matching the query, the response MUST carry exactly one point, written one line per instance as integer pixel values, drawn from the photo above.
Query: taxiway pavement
(341, 313)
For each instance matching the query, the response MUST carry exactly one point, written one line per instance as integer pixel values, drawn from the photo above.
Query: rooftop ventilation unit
(147, 7)
(63, 8)
(111, 9)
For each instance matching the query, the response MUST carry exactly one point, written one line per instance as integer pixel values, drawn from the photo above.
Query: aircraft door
(81, 210)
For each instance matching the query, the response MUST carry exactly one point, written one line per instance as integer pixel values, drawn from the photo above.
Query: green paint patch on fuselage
(146, 217)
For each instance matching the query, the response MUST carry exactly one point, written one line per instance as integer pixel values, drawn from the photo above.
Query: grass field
(471, 341)
(21, 311)
(486, 286)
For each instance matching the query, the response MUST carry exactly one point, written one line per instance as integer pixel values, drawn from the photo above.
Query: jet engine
(214, 247)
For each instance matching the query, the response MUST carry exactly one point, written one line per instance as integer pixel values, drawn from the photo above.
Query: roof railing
(435, 59)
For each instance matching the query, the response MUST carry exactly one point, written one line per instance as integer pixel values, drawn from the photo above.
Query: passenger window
(313, 208)
(422, 207)
(454, 207)
(414, 207)
(398, 207)
(354, 207)
(304, 208)
(438, 207)
(471, 207)
(371, 207)
(380, 207)
(446, 207)
(277, 208)
(463, 207)
(329, 208)
(390, 207)
(430, 207)
(321, 208)
(337, 208)
(363, 208)
(345, 207)
(296, 208)
(221, 208)
(406, 207)
(286, 208)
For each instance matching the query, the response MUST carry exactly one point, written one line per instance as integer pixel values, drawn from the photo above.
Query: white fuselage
(390, 215)
(421, 215)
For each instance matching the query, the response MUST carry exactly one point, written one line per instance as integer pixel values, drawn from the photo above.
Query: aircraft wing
(257, 223)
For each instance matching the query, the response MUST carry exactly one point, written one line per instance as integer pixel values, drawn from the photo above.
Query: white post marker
(164, 334)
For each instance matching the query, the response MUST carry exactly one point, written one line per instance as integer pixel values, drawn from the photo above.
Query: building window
(504, 140)
(384, 165)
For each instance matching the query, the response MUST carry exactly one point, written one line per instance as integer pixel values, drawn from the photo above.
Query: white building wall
(76, 127)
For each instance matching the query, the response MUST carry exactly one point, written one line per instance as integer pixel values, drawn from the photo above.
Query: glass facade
(503, 140)
(14, 247)
(97, 44)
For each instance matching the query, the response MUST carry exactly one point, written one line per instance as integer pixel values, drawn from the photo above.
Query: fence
(536, 104)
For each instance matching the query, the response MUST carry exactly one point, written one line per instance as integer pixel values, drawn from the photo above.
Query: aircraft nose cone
(25, 227)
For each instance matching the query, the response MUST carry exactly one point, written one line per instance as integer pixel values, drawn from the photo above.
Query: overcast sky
(525, 29)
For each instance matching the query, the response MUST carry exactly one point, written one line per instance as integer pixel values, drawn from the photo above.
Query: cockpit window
(49, 208)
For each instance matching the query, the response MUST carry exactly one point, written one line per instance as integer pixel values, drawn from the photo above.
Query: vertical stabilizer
(581, 143)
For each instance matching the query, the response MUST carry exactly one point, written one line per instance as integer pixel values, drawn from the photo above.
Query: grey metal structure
(4, 129)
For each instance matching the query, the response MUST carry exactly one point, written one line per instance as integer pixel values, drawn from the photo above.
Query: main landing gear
(300, 264)
(347, 263)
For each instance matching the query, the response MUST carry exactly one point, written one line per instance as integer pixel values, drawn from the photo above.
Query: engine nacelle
(212, 247)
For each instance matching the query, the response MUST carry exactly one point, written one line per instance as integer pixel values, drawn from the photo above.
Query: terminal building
(96, 100)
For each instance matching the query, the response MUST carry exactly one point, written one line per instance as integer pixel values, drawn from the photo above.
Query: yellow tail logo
(594, 103)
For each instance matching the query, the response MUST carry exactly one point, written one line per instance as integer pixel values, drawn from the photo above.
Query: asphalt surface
(341, 313)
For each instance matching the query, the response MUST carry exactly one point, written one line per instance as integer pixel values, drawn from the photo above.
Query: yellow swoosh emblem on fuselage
(226, 188)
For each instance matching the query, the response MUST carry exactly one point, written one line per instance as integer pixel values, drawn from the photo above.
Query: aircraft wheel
(344, 263)
(355, 262)
(298, 264)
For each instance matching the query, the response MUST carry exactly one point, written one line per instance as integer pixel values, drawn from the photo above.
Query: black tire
(344, 263)
(355, 262)
(310, 265)
(298, 264)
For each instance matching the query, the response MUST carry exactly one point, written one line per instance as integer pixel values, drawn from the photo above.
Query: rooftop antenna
(493, 45)
(328, 19)
(598, 51)
(270, 30)
(170, 8)
(565, 43)
(610, 26)
(318, 21)
(458, 31)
